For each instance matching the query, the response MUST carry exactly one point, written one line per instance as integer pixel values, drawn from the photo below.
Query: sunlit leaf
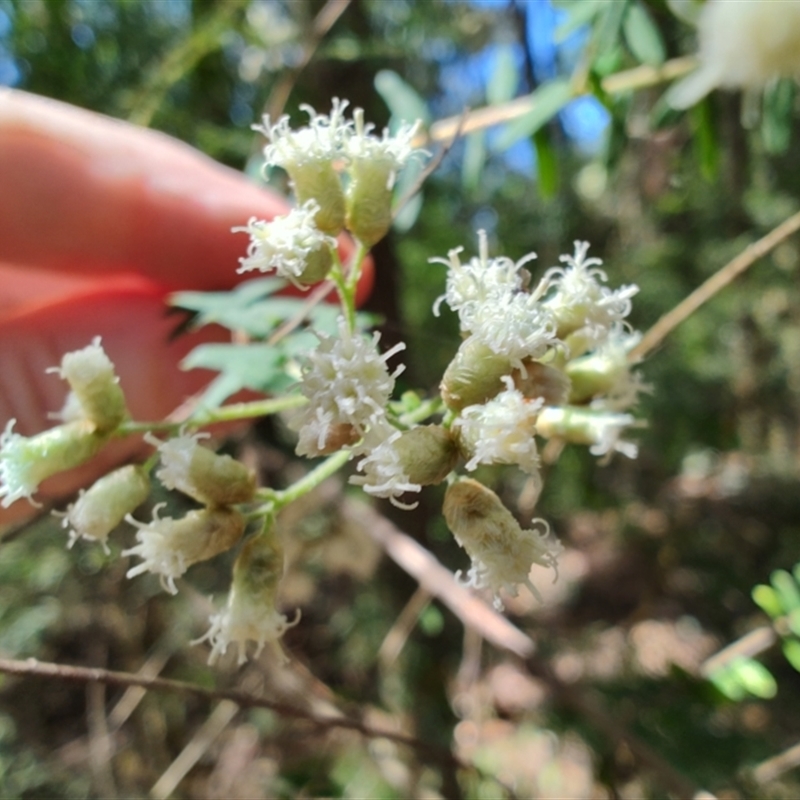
(766, 598)
(745, 676)
(787, 589)
(791, 649)
(548, 100)
(642, 36)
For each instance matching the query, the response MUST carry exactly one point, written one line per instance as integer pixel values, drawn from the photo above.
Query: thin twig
(719, 280)
(774, 767)
(44, 669)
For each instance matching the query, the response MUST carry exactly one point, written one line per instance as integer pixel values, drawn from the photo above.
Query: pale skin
(99, 221)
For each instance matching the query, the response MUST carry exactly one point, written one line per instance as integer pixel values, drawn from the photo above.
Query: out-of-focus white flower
(201, 473)
(26, 461)
(600, 429)
(606, 377)
(743, 44)
(90, 374)
(102, 507)
(501, 431)
(293, 246)
(502, 553)
(168, 547)
(581, 304)
(250, 614)
(348, 384)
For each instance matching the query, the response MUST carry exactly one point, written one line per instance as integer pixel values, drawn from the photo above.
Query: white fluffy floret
(321, 140)
(391, 151)
(347, 383)
(384, 473)
(581, 302)
(743, 44)
(601, 430)
(19, 466)
(176, 459)
(84, 367)
(501, 431)
(284, 244)
(247, 619)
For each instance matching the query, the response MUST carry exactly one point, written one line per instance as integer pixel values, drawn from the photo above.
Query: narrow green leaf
(791, 649)
(766, 598)
(705, 140)
(725, 681)
(504, 78)
(776, 124)
(404, 102)
(546, 163)
(606, 30)
(580, 14)
(548, 100)
(754, 677)
(474, 159)
(787, 589)
(642, 36)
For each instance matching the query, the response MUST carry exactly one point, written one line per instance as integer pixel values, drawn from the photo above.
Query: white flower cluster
(348, 384)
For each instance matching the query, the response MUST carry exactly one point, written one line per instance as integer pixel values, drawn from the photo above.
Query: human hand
(99, 220)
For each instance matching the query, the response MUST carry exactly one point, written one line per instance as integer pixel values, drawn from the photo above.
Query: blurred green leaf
(546, 163)
(474, 160)
(642, 36)
(791, 649)
(504, 78)
(403, 101)
(548, 100)
(787, 589)
(767, 599)
(745, 676)
(705, 140)
(687, 11)
(777, 117)
(578, 15)
(606, 30)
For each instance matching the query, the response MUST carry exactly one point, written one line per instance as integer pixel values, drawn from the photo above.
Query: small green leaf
(642, 36)
(754, 677)
(791, 649)
(766, 598)
(547, 100)
(787, 589)
(403, 101)
(504, 78)
(793, 619)
(546, 164)
(474, 159)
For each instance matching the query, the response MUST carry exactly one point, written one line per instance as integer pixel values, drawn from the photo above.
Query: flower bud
(99, 510)
(26, 461)
(209, 478)
(90, 374)
(474, 376)
(168, 547)
(318, 181)
(502, 552)
(587, 426)
(369, 199)
(250, 613)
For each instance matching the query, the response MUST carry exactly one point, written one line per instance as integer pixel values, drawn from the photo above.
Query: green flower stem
(230, 413)
(424, 410)
(330, 466)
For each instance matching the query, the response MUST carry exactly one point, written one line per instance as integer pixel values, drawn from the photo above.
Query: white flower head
(601, 430)
(581, 302)
(321, 140)
(743, 44)
(289, 245)
(501, 431)
(502, 553)
(168, 547)
(348, 384)
(385, 474)
(250, 613)
(390, 152)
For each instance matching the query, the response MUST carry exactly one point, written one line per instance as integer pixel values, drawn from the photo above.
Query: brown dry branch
(33, 668)
(719, 280)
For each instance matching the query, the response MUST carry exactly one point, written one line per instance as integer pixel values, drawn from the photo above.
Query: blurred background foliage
(663, 553)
